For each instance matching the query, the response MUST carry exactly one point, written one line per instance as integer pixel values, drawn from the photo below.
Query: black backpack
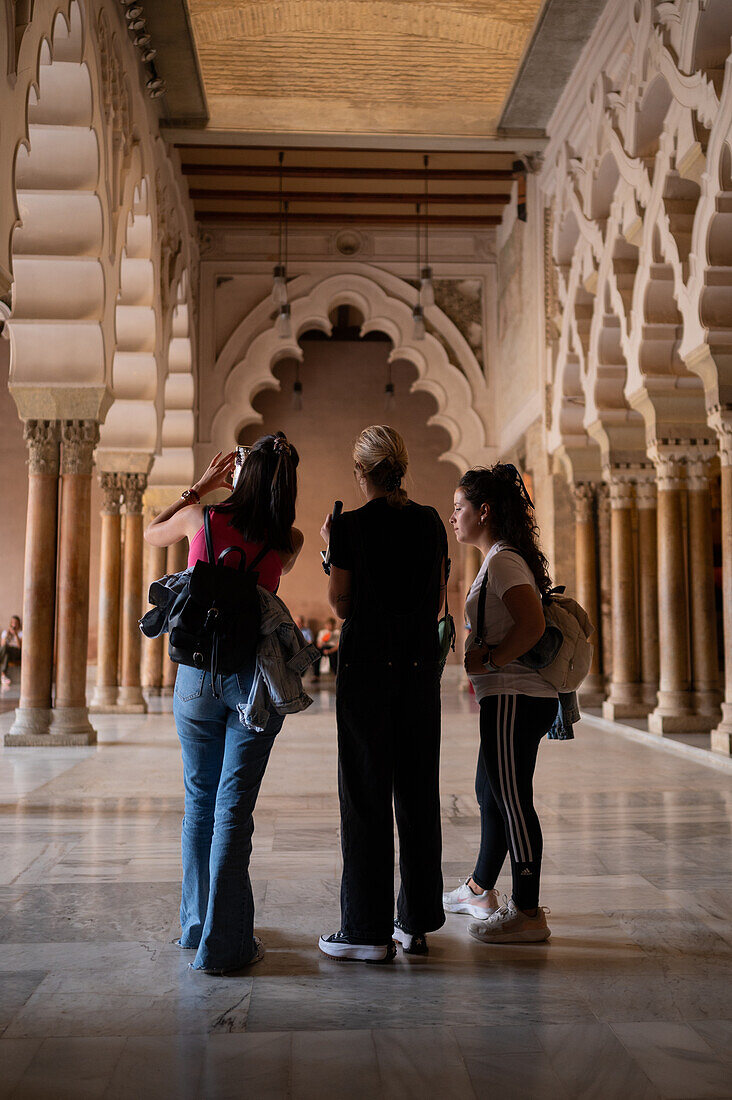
(218, 625)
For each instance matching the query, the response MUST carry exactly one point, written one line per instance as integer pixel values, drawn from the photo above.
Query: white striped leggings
(511, 727)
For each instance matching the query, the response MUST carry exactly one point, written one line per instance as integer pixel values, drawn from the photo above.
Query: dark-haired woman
(387, 582)
(493, 511)
(223, 761)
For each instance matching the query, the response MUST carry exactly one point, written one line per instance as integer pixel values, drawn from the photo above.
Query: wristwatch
(190, 496)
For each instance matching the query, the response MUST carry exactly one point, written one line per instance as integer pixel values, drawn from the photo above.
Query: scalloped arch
(253, 352)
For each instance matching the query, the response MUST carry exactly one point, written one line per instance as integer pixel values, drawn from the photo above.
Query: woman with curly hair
(493, 511)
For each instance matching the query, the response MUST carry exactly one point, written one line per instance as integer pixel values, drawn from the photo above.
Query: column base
(614, 711)
(31, 726)
(660, 721)
(167, 690)
(131, 701)
(104, 697)
(649, 695)
(722, 735)
(153, 690)
(709, 703)
(592, 692)
(71, 726)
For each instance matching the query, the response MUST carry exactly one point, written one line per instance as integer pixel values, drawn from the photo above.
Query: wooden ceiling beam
(236, 218)
(365, 197)
(474, 175)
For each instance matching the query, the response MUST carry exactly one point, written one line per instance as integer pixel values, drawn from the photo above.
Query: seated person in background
(11, 643)
(309, 637)
(327, 643)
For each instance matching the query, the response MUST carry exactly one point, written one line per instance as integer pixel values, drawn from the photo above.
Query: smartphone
(239, 459)
(325, 554)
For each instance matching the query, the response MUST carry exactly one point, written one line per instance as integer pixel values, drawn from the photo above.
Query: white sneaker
(463, 900)
(340, 947)
(509, 925)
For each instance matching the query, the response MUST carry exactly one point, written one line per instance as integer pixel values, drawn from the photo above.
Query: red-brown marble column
(606, 595)
(674, 710)
(646, 502)
(702, 613)
(624, 698)
(70, 718)
(105, 694)
(33, 715)
(592, 692)
(722, 735)
(130, 698)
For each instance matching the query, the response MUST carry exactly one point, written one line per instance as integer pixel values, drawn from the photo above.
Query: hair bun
(280, 445)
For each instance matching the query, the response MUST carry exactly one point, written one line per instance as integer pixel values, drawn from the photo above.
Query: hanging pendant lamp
(426, 286)
(417, 311)
(279, 281)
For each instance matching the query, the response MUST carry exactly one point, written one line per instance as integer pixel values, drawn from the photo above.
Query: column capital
(668, 456)
(79, 438)
(584, 499)
(42, 440)
(720, 418)
(111, 486)
(697, 470)
(646, 492)
(133, 487)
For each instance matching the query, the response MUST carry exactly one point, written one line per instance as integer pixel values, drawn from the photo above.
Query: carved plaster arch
(174, 466)
(129, 436)
(261, 348)
(59, 295)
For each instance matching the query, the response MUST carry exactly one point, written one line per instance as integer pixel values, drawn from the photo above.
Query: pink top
(223, 535)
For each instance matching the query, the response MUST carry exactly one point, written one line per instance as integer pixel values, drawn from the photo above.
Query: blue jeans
(223, 767)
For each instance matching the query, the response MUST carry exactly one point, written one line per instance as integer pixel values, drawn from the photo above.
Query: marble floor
(632, 997)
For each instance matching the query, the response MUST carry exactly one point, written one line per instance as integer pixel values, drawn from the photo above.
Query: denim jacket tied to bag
(282, 655)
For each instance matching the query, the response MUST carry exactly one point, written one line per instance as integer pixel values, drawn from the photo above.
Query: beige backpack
(572, 662)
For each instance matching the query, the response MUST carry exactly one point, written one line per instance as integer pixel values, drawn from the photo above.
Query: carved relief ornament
(79, 438)
(42, 440)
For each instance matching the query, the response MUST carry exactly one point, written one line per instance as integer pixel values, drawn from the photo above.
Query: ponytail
(262, 505)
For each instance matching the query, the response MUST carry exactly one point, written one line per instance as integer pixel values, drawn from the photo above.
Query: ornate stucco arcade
(591, 342)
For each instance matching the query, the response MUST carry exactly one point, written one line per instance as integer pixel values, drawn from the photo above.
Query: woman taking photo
(493, 511)
(387, 582)
(223, 761)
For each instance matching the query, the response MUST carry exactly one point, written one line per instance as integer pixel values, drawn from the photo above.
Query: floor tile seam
(554, 1057)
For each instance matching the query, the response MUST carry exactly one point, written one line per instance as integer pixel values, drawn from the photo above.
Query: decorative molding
(462, 301)
(42, 440)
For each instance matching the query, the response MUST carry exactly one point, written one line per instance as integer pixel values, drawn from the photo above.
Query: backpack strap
(480, 624)
(207, 533)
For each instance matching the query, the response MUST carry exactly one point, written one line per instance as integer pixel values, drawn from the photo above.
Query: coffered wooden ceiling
(239, 185)
(360, 66)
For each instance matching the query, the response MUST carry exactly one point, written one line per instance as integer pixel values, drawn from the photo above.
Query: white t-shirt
(506, 569)
(11, 638)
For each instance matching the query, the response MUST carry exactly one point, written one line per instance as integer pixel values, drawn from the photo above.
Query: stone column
(624, 699)
(645, 495)
(592, 692)
(153, 649)
(70, 720)
(105, 695)
(33, 715)
(704, 656)
(130, 699)
(722, 735)
(673, 711)
(177, 560)
(605, 571)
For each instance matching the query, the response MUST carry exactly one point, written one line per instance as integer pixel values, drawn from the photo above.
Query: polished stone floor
(631, 998)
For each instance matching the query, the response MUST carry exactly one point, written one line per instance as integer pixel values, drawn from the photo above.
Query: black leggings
(511, 727)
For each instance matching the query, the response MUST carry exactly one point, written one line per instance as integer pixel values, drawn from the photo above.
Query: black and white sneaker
(413, 943)
(340, 947)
